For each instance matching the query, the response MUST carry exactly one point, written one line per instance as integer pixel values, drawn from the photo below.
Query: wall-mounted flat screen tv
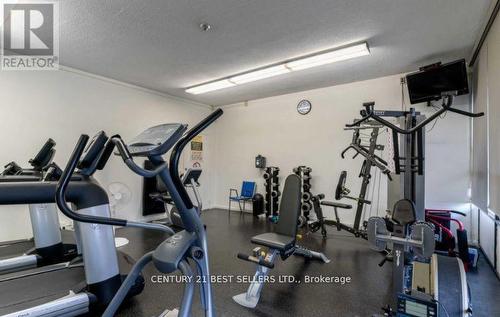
(430, 83)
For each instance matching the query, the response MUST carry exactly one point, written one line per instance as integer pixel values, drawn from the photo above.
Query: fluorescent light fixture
(330, 57)
(293, 65)
(260, 74)
(216, 85)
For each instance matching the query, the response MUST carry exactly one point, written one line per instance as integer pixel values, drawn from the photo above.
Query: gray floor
(485, 289)
(231, 233)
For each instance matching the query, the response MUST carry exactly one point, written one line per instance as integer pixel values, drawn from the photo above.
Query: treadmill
(75, 289)
(47, 247)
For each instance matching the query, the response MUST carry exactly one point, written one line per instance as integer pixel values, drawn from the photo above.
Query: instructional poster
(197, 151)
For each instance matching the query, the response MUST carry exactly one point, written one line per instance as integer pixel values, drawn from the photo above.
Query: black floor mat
(27, 292)
(229, 234)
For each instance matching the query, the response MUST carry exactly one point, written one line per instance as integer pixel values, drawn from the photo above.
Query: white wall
(487, 235)
(37, 105)
(62, 105)
(487, 98)
(273, 128)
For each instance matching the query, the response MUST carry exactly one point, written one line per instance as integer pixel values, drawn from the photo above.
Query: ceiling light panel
(294, 65)
(260, 74)
(216, 85)
(330, 57)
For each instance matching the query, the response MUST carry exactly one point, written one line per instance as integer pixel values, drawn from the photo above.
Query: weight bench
(321, 222)
(281, 242)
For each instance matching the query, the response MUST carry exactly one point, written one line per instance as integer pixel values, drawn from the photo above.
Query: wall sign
(197, 151)
(304, 107)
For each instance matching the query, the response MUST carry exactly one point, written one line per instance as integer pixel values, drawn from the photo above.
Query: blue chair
(247, 192)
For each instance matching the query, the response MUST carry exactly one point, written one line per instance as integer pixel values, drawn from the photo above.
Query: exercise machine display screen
(409, 306)
(156, 140)
(192, 173)
(44, 156)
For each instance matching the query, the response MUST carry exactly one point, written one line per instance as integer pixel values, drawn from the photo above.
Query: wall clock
(304, 107)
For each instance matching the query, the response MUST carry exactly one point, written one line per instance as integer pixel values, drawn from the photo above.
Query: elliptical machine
(190, 179)
(72, 289)
(47, 246)
(174, 252)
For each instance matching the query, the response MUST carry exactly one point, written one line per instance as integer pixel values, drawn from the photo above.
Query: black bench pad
(274, 241)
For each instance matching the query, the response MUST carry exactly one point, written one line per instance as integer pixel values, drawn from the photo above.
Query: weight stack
(304, 173)
(272, 185)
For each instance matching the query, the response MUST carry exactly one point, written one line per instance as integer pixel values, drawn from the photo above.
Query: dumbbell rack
(272, 196)
(304, 173)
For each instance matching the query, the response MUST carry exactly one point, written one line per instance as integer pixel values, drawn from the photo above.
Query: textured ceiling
(157, 44)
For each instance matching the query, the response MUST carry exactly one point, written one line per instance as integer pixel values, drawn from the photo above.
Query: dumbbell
(268, 176)
(306, 207)
(306, 196)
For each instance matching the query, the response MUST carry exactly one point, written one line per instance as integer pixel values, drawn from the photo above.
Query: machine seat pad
(276, 241)
(337, 205)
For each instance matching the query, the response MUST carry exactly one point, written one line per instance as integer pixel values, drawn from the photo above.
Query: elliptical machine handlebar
(117, 141)
(63, 183)
(62, 187)
(177, 150)
(370, 113)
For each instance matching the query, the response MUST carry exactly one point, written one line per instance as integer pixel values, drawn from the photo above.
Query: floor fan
(119, 196)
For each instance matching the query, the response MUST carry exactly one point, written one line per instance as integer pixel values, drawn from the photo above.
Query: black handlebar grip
(458, 213)
(382, 262)
(253, 259)
(105, 155)
(243, 256)
(364, 201)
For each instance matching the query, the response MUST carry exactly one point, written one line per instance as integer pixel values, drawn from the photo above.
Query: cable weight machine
(420, 277)
(368, 151)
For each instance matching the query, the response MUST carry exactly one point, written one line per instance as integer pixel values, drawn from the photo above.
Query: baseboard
(489, 263)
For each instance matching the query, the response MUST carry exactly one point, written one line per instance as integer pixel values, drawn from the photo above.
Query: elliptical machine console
(156, 140)
(44, 156)
(41, 160)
